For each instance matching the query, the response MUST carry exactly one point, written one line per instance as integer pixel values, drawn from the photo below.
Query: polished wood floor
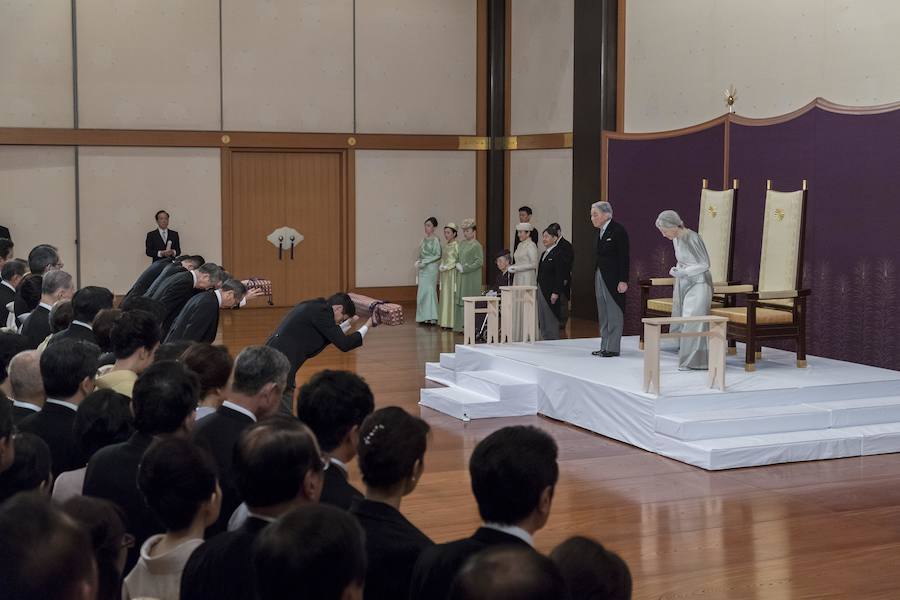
(827, 529)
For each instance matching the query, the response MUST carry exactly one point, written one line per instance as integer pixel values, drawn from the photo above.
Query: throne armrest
(733, 289)
(658, 281)
(779, 295)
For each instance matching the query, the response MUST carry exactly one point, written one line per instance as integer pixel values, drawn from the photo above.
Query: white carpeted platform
(778, 413)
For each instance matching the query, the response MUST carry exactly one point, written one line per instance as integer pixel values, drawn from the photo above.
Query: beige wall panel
(542, 63)
(415, 66)
(542, 179)
(395, 192)
(121, 190)
(36, 63)
(148, 65)
(37, 198)
(288, 65)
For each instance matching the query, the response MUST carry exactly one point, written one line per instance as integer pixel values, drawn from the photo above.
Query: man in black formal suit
(67, 371)
(257, 382)
(175, 291)
(147, 277)
(163, 401)
(567, 252)
(26, 385)
(513, 473)
(10, 345)
(55, 286)
(4, 233)
(308, 329)
(552, 275)
(611, 255)
(162, 242)
(334, 404)
(187, 263)
(41, 259)
(198, 321)
(86, 303)
(7, 429)
(11, 275)
(7, 248)
(504, 572)
(277, 467)
(525, 213)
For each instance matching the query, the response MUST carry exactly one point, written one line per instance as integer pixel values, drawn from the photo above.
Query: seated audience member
(102, 326)
(258, 381)
(513, 473)
(213, 365)
(61, 316)
(198, 321)
(591, 571)
(334, 404)
(391, 457)
(42, 259)
(103, 521)
(10, 345)
(86, 303)
(55, 286)
(26, 384)
(135, 338)
(178, 481)
(509, 573)
(163, 403)
(172, 351)
(175, 291)
(174, 267)
(7, 249)
(103, 419)
(7, 431)
(30, 471)
(51, 558)
(11, 275)
(314, 551)
(67, 371)
(277, 467)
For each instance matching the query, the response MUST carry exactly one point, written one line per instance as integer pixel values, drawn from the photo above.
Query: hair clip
(367, 440)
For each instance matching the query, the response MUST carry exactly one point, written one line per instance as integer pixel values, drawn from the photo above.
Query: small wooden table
(492, 310)
(525, 297)
(717, 344)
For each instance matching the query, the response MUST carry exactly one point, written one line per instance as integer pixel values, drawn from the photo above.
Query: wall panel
(121, 190)
(288, 65)
(148, 65)
(542, 179)
(36, 64)
(415, 66)
(395, 192)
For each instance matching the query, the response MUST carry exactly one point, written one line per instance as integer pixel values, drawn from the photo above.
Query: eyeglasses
(128, 541)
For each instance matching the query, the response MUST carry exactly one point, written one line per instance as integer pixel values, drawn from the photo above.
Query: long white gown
(692, 297)
(526, 260)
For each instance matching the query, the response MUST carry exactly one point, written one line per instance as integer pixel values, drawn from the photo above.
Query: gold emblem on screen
(779, 214)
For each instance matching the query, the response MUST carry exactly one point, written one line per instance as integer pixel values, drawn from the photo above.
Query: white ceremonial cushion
(716, 210)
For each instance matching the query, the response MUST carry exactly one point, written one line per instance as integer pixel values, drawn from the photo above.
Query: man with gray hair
(610, 277)
(55, 286)
(199, 319)
(257, 383)
(178, 289)
(26, 384)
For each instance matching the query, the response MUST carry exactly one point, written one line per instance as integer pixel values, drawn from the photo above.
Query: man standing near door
(162, 242)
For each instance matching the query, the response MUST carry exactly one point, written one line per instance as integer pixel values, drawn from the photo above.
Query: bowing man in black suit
(178, 289)
(4, 233)
(67, 371)
(11, 275)
(162, 242)
(514, 473)
(552, 276)
(257, 383)
(147, 277)
(86, 303)
(391, 458)
(26, 384)
(41, 259)
(187, 263)
(198, 321)
(55, 286)
(308, 329)
(163, 401)
(277, 468)
(611, 253)
(334, 404)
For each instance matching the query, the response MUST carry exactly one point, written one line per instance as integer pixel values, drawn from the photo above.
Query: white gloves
(676, 272)
(511, 268)
(418, 264)
(459, 267)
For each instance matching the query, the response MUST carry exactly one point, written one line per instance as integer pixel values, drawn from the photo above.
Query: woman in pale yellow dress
(449, 277)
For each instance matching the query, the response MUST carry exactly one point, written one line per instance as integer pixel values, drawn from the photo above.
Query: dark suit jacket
(551, 278)
(174, 293)
(393, 545)
(534, 238)
(336, 490)
(611, 257)
(168, 270)
(28, 294)
(568, 255)
(6, 296)
(155, 244)
(74, 332)
(222, 568)
(218, 433)
(53, 424)
(306, 331)
(112, 474)
(147, 277)
(438, 565)
(4, 233)
(198, 320)
(36, 327)
(20, 413)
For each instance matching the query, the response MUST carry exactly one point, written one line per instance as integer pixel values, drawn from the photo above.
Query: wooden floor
(827, 529)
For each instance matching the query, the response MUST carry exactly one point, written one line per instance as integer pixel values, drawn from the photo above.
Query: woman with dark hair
(105, 525)
(30, 470)
(449, 277)
(104, 418)
(427, 274)
(591, 571)
(213, 365)
(392, 446)
(102, 326)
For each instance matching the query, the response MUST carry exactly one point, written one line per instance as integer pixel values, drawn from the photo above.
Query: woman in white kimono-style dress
(693, 287)
(524, 271)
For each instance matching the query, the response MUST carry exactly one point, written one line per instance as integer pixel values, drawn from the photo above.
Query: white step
(448, 360)
(435, 372)
(862, 411)
(881, 438)
(742, 422)
(495, 384)
(465, 405)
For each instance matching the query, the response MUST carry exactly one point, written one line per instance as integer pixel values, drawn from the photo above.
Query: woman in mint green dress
(427, 268)
(470, 265)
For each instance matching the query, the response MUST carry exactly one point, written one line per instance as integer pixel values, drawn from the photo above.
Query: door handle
(292, 247)
(280, 246)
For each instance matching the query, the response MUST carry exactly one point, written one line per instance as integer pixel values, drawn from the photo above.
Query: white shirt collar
(240, 409)
(512, 530)
(45, 305)
(63, 403)
(549, 250)
(219, 297)
(265, 518)
(603, 229)
(83, 324)
(194, 275)
(7, 284)
(27, 405)
(161, 230)
(340, 465)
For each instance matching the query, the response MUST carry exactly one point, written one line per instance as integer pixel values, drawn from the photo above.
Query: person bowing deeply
(610, 277)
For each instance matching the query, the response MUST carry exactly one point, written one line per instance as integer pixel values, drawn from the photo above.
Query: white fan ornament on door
(285, 237)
